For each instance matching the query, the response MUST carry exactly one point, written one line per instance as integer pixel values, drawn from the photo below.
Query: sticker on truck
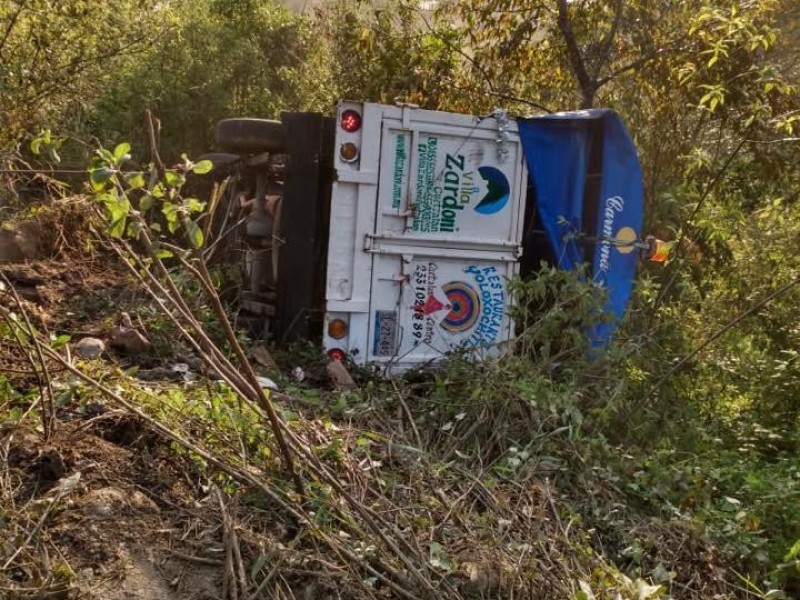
(447, 306)
(470, 309)
(450, 182)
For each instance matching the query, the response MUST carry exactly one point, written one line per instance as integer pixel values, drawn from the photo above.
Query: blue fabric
(557, 152)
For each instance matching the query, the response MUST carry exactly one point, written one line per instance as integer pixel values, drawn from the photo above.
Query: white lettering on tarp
(613, 206)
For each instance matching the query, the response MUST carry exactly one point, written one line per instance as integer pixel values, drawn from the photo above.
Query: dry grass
(394, 505)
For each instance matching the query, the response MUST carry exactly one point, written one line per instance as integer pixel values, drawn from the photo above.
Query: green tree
(395, 53)
(224, 59)
(56, 57)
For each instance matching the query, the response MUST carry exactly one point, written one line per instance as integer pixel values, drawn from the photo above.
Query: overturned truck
(389, 233)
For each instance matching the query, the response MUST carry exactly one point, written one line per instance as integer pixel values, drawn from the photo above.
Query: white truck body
(425, 231)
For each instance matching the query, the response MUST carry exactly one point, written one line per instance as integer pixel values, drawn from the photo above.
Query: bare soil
(135, 525)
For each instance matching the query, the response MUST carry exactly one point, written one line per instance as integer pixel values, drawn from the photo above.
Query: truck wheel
(250, 135)
(224, 163)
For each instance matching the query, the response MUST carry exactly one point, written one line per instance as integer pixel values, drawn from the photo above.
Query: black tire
(250, 135)
(224, 163)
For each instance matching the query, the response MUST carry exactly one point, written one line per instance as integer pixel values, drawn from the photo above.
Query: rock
(20, 242)
(340, 376)
(104, 502)
(128, 340)
(184, 371)
(177, 372)
(90, 348)
(141, 502)
(262, 356)
(267, 383)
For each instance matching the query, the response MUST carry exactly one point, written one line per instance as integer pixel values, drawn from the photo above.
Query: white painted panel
(425, 231)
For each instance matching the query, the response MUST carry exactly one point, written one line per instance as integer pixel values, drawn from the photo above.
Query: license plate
(385, 342)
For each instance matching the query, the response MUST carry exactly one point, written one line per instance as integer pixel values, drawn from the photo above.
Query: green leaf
(707, 97)
(161, 254)
(135, 180)
(100, 176)
(203, 167)
(121, 152)
(146, 203)
(105, 155)
(170, 211)
(794, 552)
(195, 233)
(36, 145)
(158, 191)
(257, 566)
(60, 341)
(194, 205)
(133, 230)
(117, 206)
(117, 228)
(174, 179)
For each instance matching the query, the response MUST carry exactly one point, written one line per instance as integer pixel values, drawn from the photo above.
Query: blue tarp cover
(557, 149)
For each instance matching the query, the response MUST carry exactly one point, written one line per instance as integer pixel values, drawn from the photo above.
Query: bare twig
(42, 373)
(703, 198)
(722, 331)
(10, 24)
(387, 574)
(152, 125)
(409, 415)
(201, 560)
(201, 274)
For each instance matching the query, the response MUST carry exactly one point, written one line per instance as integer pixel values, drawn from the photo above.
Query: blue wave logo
(498, 191)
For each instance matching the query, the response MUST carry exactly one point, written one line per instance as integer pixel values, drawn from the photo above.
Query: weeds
(543, 474)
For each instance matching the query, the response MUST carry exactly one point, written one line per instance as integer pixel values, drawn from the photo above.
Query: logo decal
(465, 313)
(465, 307)
(432, 305)
(613, 206)
(626, 238)
(445, 184)
(498, 191)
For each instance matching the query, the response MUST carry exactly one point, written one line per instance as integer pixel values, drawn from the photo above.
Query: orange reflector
(337, 354)
(337, 329)
(348, 152)
(658, 251)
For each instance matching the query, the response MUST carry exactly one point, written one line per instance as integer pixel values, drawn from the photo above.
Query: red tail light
(337, 354)
(350, 121)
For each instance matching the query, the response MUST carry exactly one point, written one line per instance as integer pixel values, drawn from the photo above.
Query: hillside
(158, 441)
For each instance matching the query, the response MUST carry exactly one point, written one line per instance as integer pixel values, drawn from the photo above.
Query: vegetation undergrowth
(665, 466)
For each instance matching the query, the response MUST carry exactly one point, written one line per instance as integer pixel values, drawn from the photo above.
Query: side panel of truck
(426, 229)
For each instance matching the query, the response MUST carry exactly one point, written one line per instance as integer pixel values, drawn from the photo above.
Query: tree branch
(10, 26)
(604, 55)
(719, 333)
(587, 84)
